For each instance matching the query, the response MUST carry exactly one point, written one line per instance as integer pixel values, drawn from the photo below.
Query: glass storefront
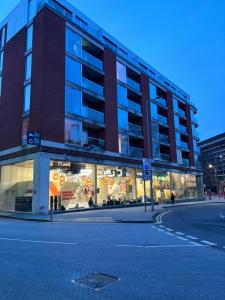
(75, 184)
(16, 186)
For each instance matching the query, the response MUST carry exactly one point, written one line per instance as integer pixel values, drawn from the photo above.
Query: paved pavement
(39, 261)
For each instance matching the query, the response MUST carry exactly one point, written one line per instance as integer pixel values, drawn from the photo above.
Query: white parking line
(209, 243)
(34, 241)
(192, 237)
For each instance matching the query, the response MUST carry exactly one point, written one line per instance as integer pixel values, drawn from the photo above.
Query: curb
(25, 219)
(190, 204)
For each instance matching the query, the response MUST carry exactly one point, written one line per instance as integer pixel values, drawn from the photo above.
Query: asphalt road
(42, 261)
(203, 222)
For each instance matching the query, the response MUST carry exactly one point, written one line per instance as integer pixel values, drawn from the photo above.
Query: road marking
(209, 243)
(169, 229)
(159, 217)
(160, 229)
(169, 233)
(197, 244)
(34, 241)
(162, 246)
(178, 232)
(163, 226)
(192, 237)
(181, 238)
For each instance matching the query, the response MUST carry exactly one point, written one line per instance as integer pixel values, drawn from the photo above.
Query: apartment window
(73, 100)
(122, 95)
(175, 105)
(25, 128)
(27, 92)
(179, 157)
(176, 122)
(155, 131)
(73, 71)
(1, 61)
(73, 131)
(2, 37)
(123, 144)
(195, 145)
(28, 67)
(32, 5)
(153, 93)
(81, 23)
(122, 119)
(73, 43)
(121, 72)
(156, 150)
(154, 111)
(0, 85)
(29, 38)
(178, 141)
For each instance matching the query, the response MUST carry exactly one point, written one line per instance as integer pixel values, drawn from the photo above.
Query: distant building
(213, 163)
(79, 111)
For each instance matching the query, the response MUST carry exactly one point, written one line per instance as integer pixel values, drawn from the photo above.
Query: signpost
(33, 138)
(147, 175)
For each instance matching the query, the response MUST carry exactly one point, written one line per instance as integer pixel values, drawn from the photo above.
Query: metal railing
(134, 106)
(92, 60)
(164, 138)
(92, 86)
(184, 145)
(162, 119)
(93, 142)
(92, 114)
(181, 112)
(133, 84)
(136, 152)
(183, 128)
(164, 156)
(185, 162)
(161, 101)
(135, 129)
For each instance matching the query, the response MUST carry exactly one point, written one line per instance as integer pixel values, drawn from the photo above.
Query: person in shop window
(90, 202)
(172, 198)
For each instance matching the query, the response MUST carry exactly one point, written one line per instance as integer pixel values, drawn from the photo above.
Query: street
(151, 261)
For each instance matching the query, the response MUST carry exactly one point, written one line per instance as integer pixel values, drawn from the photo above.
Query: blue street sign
(33, 138)
(147, 164)
(147, 175)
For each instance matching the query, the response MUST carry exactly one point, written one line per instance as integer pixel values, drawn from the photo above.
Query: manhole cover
(96, 280)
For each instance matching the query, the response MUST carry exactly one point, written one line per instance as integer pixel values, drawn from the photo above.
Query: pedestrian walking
(172, 198)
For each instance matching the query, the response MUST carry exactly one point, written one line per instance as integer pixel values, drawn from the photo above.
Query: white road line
(162, 246)
(181, 238)
(163, 226)
(159, 217)
(197, 244)
(33, 241)
(178, 232)
(160, 229)
(169, 229)
(192, 237)
(135, 246)
(169, 233)
(209, 243)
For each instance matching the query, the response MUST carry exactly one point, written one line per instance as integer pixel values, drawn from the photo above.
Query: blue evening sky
(183, 39)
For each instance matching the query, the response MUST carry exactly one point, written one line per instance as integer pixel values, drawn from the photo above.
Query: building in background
(98, 108)
(213, 164)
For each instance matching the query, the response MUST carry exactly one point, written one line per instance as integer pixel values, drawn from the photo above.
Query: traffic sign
(147, 164)
(33, 138)
(147, 175)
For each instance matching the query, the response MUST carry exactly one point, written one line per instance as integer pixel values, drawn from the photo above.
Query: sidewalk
(119, 215)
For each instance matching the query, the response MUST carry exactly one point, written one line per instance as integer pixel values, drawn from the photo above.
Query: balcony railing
(92, 60)
(92, 86)
(195, 134)
(185, 162)
(181, 112)
(194, 119)
(164, 156)
(92, 114)
(161, 101)
(164, 138)
(162, 119)
(136, 152)
(183, 128)
(133, 84)
(93, 142)
(134, 106)
(135, 129)
(184, 145)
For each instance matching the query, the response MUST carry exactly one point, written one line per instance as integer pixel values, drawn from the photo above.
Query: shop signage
(33, 138)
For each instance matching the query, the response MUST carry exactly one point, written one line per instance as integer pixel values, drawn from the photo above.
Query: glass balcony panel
(183, 128)
(133, 84)
(136, 129)
(136, 152)
(92, 114)
(184, 145)
(93, 142)
(165, 157)
(185, 162)
(134, 106)
(92, 60)
(92, 86)
(164, 138)
(161, 101)
(162, 119)
(181, 112)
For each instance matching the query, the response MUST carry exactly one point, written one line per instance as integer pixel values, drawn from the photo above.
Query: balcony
(134, 106)
(161, 101)
(182, 113)
(195, 134)
(185, 162)
(93, 143)
(194, 119)
(133, 84)
(92, 86)
(164, 139)
(183, 128)
(92, 114)
(92, 60)
(136, 152)
(164, 157)
(135, 129)
(162, 119)
(184, 145)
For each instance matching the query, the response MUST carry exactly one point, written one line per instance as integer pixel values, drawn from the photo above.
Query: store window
(27, 94)
(29, 37)
(73, 131)
(161, 187)
(16, 186)
(122, 95)
(73, 71)
(122, 119)
(121, 72)
(25, 129)
(184, 186)
(28, 67)
(73, 43)
(73, 100)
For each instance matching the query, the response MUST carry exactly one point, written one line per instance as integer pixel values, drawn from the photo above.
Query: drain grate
(96, 280)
